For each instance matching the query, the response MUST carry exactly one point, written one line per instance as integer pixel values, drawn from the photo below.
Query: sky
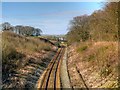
(50, 17)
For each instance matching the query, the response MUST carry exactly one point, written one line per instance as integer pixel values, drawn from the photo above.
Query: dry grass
(100, 58)
(17, 49)
(102, 54)
(12, 43)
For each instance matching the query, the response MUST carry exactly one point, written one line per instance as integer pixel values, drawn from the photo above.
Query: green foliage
(81, 49)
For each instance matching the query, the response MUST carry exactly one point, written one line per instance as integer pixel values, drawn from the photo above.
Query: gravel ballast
(63, 73)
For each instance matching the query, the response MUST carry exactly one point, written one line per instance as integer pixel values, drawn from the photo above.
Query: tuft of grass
(91, 57)
(105, 71)
(82, 48)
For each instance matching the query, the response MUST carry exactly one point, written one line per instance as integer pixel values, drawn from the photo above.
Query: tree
(19, 29)
(27, 30)
(37, 32)
(22, 30)
(101, 25)
(6, 26)
(78, 30)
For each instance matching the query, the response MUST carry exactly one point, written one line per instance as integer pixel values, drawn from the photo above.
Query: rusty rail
(51, 78)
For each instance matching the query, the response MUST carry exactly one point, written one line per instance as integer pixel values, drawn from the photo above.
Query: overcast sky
(51, 17)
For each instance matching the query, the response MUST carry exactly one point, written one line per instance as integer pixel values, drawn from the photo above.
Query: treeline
(101, 25)
(21, 30)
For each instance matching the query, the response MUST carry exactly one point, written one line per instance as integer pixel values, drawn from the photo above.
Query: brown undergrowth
(97, 62)
(21, 57)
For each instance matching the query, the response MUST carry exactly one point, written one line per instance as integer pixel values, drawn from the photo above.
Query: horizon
(51, 17)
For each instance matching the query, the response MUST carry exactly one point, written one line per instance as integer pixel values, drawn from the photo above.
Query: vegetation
(102, 55)
(100, 26)
(22, 30)
(95, 37)
(98, 64)
(16, 48)
(82, 48)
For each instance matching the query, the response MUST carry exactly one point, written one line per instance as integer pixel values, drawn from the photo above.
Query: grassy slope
(17, 50)
(97, 63)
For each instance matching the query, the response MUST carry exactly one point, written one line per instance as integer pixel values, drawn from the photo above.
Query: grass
(105, 71)
(12, 43)
(82, 48)
(101, 54)
(16, 48)
(91, 57)
(102, 58)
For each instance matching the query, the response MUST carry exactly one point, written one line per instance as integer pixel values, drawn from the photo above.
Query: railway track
(51, 77)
